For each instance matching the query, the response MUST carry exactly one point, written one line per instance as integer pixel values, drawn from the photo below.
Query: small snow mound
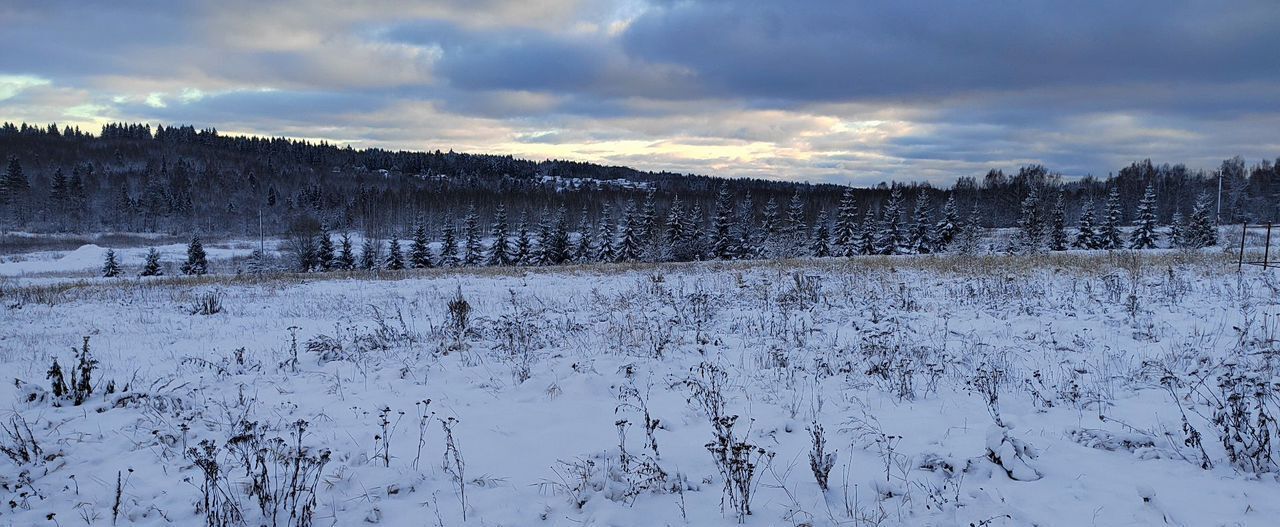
(1012, 454)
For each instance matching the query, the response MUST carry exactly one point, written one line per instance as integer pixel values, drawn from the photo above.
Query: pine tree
(795, 233)
(196, 263)
(820, 245)
(325, 251)
(1058, 225)
(110, 267)
(420, 252)
(889, 238)
(449, 246)
(1177, 230)
(585, 250)
(722, 225)
(369, 254)
(697, 242)
(1109, 233)
(867, 233)
(346, 254)
(557, 248)
(1086, 238)
(395, 259)
(1144, 235)
(1200, 231)
(944, 232)
(500, 249)
(152, 266)
(919, 239)
(473, 250)
(770, 228)
(632, 244)
(676, 235)
(608, 234)
(524, 254)
(846, 242)
(746, 236)
(649, 219)
(1030, 224)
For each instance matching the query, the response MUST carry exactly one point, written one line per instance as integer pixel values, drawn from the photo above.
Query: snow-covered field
(588, 396)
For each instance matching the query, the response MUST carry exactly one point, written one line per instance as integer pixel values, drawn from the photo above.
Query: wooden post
(1244, 229)
(1266, 251)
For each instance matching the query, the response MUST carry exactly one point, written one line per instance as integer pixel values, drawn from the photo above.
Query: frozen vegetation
(1082, 388)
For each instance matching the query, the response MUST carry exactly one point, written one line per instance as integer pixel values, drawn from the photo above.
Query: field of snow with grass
(1066, 389)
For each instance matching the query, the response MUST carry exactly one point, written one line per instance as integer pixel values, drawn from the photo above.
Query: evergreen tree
(1030, 224)
(1177, 231)
(697, 242)
(649, 220)
(196, 263)
(795, 233)
(608, 234)
(746, 237)
(110, 267)
(889, 237)
(500, 249)
(867, 233)
(325, 251)
(1058, 225)
(944, 232)
(346, 254)
(369, 254)
(677, 234)
(1200, 230)
(632, 245)
(821, 242)
(585, 250)
(846, 242)
(558, 248)
(152, 266)
(473, 250)
(420, 252)
(919, 239)
(1109, 232)
(1086, 238)
(1144, 235)
(449, 245)
(770, 228)
(395, 259)
(524, 254)
(722, 225)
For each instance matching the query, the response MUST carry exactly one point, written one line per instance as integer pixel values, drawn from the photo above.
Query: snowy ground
(1092, 360)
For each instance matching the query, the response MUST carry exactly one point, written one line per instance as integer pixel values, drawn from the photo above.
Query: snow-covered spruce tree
(152, 266)
(944, 232)
(369, 254)
(1177, 230)
(584, 250)
(524, 254)
(1144, 234)
(1057, 225)
(722, 225)
(196, 264)
(697, 241)
(1030, 225)
(867, 233)
(768, 245)
(395, 259)
(677, 234)
(472, 249)
(918, 239)
(606, 251)
(745, 233)
(324, 251)
(1200, 230)
(632, 245)
(650, 237)
(346, 260)
(820, 244)
(969, 234)
(795, 231)
(1109, 232)
(500, 249)
(558, 249)
(449, 244)
(1086, 238)
(420, 250)
(889, 237)
(540, 256)
(110, 267)
(846, 231)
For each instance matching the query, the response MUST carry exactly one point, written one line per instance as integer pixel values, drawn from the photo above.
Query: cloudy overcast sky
(839, 91)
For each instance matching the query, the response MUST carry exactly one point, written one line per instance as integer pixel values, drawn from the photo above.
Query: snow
(89, 257)
(882, 352)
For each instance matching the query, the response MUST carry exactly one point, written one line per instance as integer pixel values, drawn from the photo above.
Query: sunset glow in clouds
(856, 92)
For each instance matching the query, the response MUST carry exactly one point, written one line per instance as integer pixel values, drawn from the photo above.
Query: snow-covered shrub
(820, 461)
(1012, 454)
(209, 303)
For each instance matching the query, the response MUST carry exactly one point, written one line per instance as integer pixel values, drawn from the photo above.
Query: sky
(839, 91)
